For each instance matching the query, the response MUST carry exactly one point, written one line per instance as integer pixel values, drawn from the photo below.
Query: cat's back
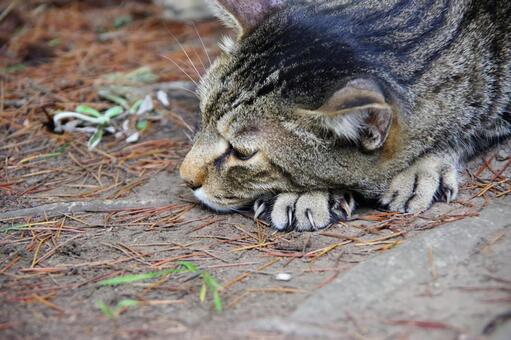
(415, 29)
(392, 26)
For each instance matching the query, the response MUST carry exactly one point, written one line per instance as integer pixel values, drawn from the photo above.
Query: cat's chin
(204, 199)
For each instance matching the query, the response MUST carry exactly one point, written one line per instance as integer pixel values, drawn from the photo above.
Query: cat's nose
(206, 149)
(192, 172)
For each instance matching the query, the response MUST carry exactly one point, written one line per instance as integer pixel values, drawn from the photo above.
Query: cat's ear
(244, 16)
(359, 112)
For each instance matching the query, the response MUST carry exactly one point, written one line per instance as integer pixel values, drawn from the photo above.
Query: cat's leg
(430, 179)
(305, 211)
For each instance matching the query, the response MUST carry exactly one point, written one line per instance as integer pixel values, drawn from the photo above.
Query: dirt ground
(135, 214)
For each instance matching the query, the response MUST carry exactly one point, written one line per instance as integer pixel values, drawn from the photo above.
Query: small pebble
(283, 277)
(133, 138)
(163, 98)
(125, 125)
(110, 129)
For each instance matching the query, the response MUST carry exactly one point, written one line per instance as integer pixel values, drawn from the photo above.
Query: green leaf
(210, 281)
(142, 124)
(54, 42)
(105, 309)
(14, 68)
(52, 155)
(61, 149)
(189, 266)
(217, 300)
(135, 106)
(112, 313)
(128, 303)
(16, 227)
(202, 293)
(213, 286)
(122, 20)
(119, 280)
(113, 112)
(95, 139)
(114, 99)
(143, 74)
(88, 111)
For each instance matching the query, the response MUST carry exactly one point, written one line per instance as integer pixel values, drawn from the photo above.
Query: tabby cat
(317, 98)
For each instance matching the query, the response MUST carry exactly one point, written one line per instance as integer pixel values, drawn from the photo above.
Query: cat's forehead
(228, 91)
(279, 61)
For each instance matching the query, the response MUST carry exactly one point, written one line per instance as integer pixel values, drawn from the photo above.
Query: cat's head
(289, 105)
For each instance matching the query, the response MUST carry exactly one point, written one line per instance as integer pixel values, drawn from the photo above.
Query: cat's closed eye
(241, 154)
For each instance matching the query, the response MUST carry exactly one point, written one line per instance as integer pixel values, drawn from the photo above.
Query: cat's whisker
(186, 125)
(202, 43)
(187, 90)
(186, 54)
(200, 58)
(181, 69)
(190, 138)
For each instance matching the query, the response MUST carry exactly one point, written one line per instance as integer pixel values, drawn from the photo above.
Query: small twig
(56, 209)
(9, 8)
(497, 321)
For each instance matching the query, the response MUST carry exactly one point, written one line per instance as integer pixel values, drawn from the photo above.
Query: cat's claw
(305, 212)
(290, 218)
(311, 219)
(416, 188)
(259, 208)
(448, 195)
(347, 205)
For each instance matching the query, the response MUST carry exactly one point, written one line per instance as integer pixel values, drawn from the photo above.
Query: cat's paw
(415, 189)
(306, 211)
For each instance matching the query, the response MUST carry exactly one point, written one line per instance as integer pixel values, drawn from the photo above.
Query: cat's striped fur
(440, 69)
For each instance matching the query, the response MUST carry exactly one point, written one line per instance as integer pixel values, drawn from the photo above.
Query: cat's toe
(304, 212)
(312, 211)
(282, 216)
(412, 192)
(449, 184)
(401, 190)
(415, 189)
(317, 210)
(425, 186)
